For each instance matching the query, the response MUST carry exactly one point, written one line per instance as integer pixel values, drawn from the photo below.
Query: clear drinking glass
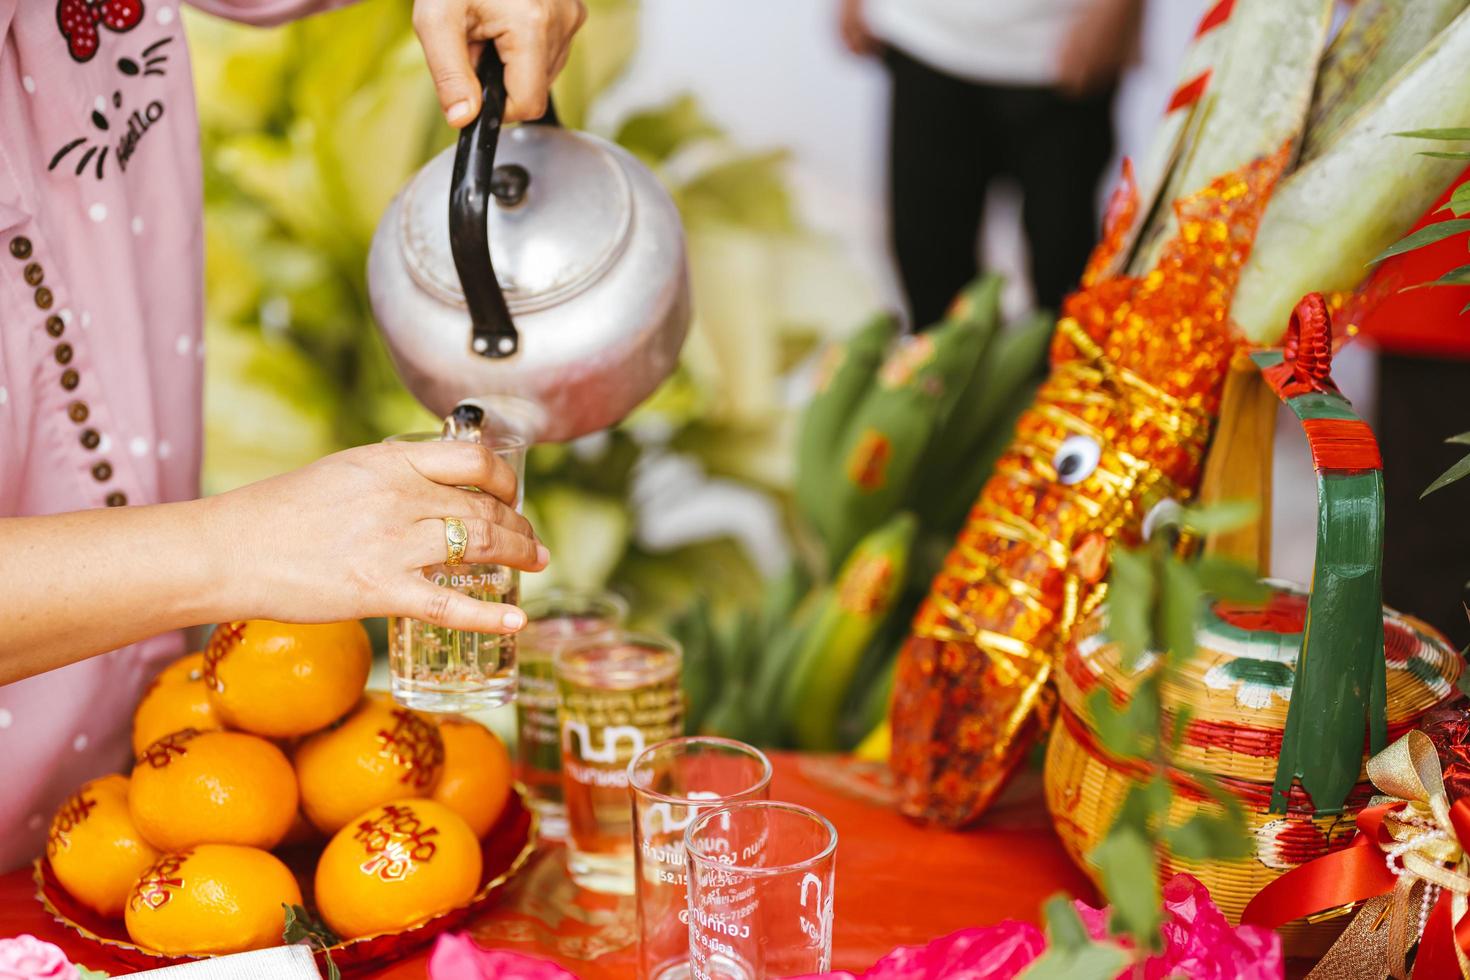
(434, 668)
(555, 620)
(761, 876)
(619, 694)
(674, 782)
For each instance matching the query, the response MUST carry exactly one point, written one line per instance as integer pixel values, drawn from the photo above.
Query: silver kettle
(559, 279)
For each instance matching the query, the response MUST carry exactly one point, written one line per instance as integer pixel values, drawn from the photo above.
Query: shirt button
(116, 499)
(43, 297)
(70, 379)
(20, 247)
(55, 326)
(63, 353)
(77, 412)
(34, 274)
(90, 438)
(102, 471)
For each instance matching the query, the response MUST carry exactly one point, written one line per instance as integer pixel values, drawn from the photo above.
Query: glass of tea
(673, 783)
(619, 693)
(434, 668)
(555, 619)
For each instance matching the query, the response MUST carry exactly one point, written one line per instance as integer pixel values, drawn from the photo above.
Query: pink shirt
(101, 351)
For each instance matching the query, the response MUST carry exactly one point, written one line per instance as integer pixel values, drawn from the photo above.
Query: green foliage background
(309, 130)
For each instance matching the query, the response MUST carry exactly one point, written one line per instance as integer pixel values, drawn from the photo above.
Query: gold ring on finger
(456, 536)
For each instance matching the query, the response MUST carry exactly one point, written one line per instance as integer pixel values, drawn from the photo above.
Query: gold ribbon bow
(1409, 830)
(1425, 841)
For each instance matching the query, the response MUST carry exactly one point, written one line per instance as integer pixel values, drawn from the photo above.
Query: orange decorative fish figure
(1118, 431)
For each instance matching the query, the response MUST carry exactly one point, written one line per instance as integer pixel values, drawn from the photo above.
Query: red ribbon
(1359, 872)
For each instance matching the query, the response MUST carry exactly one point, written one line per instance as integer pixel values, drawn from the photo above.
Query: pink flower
(456, 957)
(1199, 943)
(28, 958)
(997, 952)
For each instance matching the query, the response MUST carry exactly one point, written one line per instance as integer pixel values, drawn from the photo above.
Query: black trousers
(949, 138)
(1426, 548)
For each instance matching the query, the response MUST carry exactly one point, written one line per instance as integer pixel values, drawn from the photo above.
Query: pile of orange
(267, 741)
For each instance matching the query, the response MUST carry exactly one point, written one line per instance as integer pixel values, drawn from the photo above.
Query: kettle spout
(503, 414)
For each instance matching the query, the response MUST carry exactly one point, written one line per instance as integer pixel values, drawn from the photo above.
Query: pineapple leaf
(1427, 235)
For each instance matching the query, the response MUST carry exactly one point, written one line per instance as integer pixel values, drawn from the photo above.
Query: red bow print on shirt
(78, 20)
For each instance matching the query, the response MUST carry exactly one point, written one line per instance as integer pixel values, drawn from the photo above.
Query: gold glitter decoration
(1121, 424)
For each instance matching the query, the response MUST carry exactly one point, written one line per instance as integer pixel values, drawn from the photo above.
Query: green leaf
(1130, 596)
(1144, 805)
(1095, 961)
(1227, 515)
(300, 927)
(1131, 730)
(1071, 953)
(1459, 202)
(1063, 924)
(748, 192)
(657, 134)
(1225, 578)
(1463, 439)
(85, 974)
(1178, 612)
(1428, 235)
(1179, 726)
(1458, 276)
(1209, 837)
(1443, 156)
(1457, 472)
(1217, 791)
(1457, 134)
(1128, 869)
(1463, 683)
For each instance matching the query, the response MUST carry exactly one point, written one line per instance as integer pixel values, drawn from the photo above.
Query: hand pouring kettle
(558, 278)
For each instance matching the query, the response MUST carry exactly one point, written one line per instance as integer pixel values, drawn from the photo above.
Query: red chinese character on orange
(414, 744)
(163, 751)
(71, 814)
(226, 637)
(156, 885)
(395, 840)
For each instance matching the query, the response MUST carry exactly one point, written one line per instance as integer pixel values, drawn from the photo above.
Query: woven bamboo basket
(1237, 689)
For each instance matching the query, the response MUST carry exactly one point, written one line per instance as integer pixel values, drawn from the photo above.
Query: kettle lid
(571, 223)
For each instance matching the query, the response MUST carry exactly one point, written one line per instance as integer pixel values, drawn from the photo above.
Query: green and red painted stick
(1338, 696)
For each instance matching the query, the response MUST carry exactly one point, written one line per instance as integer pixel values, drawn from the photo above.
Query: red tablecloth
(897, 884)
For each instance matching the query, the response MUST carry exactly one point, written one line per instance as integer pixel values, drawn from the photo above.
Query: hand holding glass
(434, 668)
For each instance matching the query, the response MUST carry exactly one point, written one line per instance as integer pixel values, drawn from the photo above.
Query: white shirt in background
(1006, 42)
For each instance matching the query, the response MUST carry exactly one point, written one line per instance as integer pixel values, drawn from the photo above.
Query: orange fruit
(212, 788)
(285, 679)
(174, 701)
(379, 752)
(395, 866)
(94, 848)
(477, 774)
(214, 898)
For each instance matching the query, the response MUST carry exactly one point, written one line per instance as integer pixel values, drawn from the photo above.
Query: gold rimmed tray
(504, 850)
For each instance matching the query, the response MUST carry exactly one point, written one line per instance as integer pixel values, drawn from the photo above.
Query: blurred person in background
(985, 89)
(103, 544)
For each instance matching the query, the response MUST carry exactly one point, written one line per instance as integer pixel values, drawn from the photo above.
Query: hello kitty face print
(82, 21)
(116, 125)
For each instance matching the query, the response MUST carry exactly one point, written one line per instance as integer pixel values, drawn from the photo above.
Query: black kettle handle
(474, 182)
